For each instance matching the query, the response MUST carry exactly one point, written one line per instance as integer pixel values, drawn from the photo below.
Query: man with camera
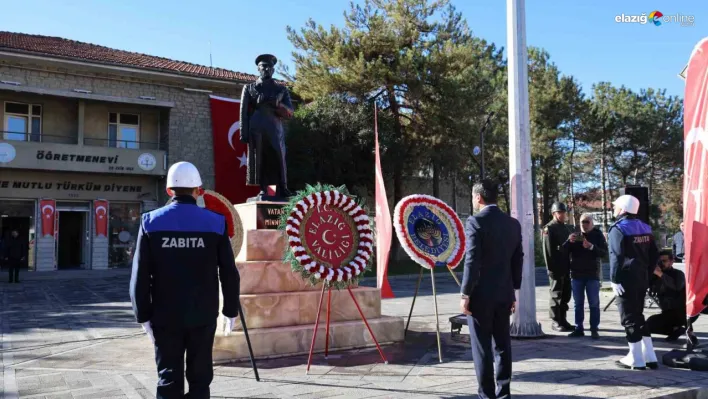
(669, 287)
(587, 248)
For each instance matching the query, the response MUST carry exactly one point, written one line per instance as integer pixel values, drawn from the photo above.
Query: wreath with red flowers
(329, 236)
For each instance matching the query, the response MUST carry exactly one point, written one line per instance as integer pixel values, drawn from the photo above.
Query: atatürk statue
(264, 106)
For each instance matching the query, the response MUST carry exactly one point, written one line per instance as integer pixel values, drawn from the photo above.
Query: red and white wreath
(326, 203)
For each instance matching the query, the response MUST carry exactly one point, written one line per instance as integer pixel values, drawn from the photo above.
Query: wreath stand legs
(317, 324)
(329, 307)
(437, 321)
(415, 295)
(383, 357)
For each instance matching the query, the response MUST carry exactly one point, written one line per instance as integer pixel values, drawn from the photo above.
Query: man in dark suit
(493, 265)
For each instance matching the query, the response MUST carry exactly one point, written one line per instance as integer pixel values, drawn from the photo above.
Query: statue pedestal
(280, 307)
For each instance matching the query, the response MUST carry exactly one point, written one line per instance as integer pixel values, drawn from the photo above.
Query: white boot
(634, 359)
(649, 354)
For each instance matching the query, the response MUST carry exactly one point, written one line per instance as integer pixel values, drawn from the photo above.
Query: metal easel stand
(435, 301)
(326, 286)
(248, 341)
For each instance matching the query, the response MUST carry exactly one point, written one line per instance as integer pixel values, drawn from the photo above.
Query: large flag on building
(230, 159)
(384, 230)
(695, 184)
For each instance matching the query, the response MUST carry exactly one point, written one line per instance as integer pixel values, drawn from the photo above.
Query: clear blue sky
(581, 35)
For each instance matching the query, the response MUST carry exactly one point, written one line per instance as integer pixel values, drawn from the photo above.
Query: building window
(123, 225)
(123, 130)
(23, 122)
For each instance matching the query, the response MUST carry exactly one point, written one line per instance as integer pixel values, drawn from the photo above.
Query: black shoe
(595, 334)
(652, 365)
(577, 333)
(562, 328)
(676, 334)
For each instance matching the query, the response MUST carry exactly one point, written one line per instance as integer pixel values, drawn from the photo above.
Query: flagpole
(524, 322)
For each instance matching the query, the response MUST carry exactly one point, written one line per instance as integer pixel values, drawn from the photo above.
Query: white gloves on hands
(229, 324)
(617, 289)
(148, 329)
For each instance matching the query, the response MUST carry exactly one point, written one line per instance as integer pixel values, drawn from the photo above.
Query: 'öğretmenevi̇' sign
(329, 235)
(429, 231)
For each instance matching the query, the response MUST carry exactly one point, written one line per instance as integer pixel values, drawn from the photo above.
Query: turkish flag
(384, 230)
(100, 209)
(695, 182)
(47, 208)
(230, 155)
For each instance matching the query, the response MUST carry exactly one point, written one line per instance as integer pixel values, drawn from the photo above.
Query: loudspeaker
(642, 194)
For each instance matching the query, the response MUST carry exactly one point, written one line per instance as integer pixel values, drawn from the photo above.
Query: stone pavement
(73, 336)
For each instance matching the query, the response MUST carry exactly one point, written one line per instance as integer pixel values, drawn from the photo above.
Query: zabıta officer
(181, 254)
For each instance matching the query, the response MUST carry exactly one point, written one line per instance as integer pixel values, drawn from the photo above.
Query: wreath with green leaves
(308, 262)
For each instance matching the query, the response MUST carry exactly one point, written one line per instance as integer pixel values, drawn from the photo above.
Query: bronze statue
(264, 106)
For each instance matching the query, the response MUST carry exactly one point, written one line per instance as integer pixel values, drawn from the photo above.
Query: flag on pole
(695, 182)
(384, 229)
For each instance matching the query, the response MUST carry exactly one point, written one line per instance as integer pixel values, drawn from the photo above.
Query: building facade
(88, 134)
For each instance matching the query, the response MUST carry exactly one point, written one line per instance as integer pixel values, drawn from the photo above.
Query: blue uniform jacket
(633, 252)
(182, 252)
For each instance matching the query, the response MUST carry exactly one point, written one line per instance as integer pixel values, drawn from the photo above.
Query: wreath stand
(435, 300)
(326, 287)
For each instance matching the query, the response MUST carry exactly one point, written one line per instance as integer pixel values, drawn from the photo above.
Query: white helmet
(183, 174)
(627, 203)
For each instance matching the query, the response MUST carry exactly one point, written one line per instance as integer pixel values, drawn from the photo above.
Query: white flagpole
(524, 322)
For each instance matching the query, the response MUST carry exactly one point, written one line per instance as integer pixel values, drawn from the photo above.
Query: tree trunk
(398, 157)
(604, 186)
(505, 194)
(436, 179)
(570, 183)
(534, 189)
(546, 194)
(454, 191)
(471, 183)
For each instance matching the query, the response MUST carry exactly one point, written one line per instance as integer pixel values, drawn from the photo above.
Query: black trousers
(665, 323)
(631, 310)
(560, 296)
(487, 322)
(171, 343)
(14, 270)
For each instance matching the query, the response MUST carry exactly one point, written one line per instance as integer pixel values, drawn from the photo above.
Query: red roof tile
(71, 49)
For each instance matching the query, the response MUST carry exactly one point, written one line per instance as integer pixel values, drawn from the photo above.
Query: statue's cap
(270, 58)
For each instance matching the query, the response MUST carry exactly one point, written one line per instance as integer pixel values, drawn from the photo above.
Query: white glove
(229, 324)
(148, 329)
(617, 288)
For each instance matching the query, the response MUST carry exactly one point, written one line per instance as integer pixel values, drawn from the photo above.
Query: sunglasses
(585, 222)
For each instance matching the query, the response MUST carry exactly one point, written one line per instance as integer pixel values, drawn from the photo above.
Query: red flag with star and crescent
(230, 155)
(695, 204)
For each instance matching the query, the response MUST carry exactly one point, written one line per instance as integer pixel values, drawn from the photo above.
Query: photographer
(586, 248)
(669, 286)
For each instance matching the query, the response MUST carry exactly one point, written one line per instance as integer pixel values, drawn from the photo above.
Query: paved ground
(69, 336)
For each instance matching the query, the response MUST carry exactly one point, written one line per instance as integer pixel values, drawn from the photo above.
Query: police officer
(182, 252)
(557, 258)
(633, 256)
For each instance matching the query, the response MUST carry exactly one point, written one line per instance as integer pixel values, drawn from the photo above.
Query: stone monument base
(281, 308)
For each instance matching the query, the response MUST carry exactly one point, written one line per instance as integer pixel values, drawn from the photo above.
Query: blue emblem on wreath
(427, 231)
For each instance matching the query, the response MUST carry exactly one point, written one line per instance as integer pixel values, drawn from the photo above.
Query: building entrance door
(72, 245)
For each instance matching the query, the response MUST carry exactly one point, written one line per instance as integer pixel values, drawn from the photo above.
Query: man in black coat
(493, 265)
(587, 249)
(557, 259)
(15, 253)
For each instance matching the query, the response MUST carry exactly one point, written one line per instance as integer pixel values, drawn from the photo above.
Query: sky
(582, 36)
